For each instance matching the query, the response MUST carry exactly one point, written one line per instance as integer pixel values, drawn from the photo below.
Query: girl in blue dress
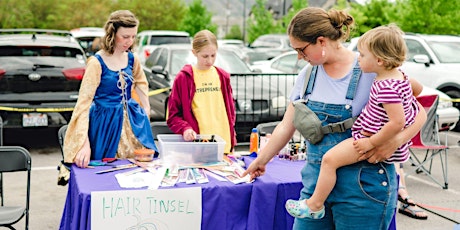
(107, 121)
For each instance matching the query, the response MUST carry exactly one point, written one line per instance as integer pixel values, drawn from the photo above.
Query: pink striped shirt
(373, 116)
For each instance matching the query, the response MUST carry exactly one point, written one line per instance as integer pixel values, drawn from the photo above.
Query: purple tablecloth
(259, 205)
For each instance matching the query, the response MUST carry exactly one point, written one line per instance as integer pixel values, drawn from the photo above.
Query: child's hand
(363, 145)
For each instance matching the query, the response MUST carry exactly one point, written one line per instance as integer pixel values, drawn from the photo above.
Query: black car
(40, 75)
(257, 99)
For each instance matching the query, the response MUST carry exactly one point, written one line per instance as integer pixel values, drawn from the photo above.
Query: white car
(433, 60)
(89, 38)
(283, 63)
(148, 40)
(448, 115)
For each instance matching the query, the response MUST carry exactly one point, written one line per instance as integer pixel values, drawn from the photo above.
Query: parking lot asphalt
(47, 198)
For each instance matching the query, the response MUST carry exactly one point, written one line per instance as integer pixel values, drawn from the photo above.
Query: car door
(159, 84)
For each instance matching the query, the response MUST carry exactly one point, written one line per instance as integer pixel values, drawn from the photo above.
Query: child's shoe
(299, 209)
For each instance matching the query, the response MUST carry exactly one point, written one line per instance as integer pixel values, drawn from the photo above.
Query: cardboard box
(174, 149)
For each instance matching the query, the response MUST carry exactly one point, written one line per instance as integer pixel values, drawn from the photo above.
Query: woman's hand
(189, 135)
(382, 152)
(255, 169)
(83, 156)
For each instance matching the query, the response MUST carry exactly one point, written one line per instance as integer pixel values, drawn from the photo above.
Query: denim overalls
(364, 196)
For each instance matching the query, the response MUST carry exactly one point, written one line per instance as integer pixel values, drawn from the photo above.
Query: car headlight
(279, 102)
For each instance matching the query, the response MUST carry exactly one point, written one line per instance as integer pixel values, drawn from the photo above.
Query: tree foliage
(197, 18)
(260, 22)
(419, 16)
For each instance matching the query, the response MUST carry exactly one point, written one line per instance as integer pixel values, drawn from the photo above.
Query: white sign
(147, 209)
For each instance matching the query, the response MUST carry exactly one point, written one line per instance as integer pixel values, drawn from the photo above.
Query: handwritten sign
(147, 209)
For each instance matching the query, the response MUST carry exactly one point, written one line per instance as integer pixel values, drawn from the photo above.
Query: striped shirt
(373, 117)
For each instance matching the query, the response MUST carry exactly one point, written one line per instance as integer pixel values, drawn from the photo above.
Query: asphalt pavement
(48, 198)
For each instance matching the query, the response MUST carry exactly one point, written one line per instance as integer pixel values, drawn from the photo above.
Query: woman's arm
(280, 137)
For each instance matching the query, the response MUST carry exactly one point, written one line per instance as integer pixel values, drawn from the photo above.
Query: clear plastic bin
(174, 149)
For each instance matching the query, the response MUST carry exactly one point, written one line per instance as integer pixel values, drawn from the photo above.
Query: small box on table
(174, 149)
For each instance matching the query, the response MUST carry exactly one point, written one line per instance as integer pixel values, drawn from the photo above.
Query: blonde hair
(202, 39)
(312, 22)
(386, 43)
(117, 19)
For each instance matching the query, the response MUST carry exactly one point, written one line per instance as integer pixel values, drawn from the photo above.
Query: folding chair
(14, 159)
(428, 140)
(61, 135)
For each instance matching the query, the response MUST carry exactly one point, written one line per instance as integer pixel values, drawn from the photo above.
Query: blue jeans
(364, 196)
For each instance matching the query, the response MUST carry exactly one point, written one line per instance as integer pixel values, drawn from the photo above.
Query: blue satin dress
(112, 97)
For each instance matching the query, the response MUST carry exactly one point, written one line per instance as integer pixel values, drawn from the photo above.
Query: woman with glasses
(364, 196)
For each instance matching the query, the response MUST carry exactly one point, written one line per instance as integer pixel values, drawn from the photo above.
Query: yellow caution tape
(69, 109)
(452, 99)
(158, 91)
(43, 110)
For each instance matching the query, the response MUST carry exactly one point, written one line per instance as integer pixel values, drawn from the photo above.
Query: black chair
(159, 127)
(1, 175)
(14, 159)
(61, 135)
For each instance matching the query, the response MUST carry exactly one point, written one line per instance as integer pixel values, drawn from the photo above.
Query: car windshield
(38, 51)
(447, 52)
(226, 60)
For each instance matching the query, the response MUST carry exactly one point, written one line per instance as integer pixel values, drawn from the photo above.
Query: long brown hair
(117, 19)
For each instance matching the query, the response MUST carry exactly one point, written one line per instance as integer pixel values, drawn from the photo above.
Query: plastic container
(254, 142)
(174, 149)
(144, 155)
(264, 140)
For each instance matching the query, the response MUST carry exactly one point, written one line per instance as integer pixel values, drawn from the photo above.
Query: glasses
(300, 51)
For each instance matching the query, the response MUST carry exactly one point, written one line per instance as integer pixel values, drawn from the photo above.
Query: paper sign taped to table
(147, 209)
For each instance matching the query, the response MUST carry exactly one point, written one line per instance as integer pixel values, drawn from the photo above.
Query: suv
(148, 40)
(434, 61)
(40, 75)
(89, 38)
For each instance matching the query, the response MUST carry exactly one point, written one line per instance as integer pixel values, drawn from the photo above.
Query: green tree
(156, 14)
(197, 18)
(235, 33)
(297, 5)
(429, 16)
(260, 21)
(16, 14)
(373, 14)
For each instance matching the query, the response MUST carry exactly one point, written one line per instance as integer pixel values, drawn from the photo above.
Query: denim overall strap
(353, 82)
(311, 81)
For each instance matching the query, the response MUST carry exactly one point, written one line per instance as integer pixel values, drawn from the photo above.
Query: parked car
(89, 38)
(256, 100)
(148, 40)
(40, 75)
(434, 61)
(272, 44)
(284, 63)
(448, 115)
